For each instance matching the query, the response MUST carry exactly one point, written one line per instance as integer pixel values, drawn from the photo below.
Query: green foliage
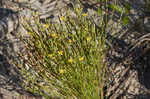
(116, 8)
(125, 20)
(67, 56)
(147, 5)
(122, 11)
(99, 10)
(127, 7)
(66, 59)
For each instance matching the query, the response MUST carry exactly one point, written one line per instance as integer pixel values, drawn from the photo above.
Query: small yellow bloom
(37, 13)
(70, 41)
(50, 55)
(47, 25)
(77, 10)
(86, 29)
(70, 60)
(84, 14)
(26, 19)
(60, 52)
(54, 35)
(61, 71)
(81, 58)
(29, 33)
(62, 18)
(64, 32)
(88, 39)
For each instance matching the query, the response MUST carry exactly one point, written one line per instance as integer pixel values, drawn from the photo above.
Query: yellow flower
(81, 58)
(47, 25)
(26, 18)
(61, 71)
(54, 35)
(88, 39)
(77, 10)
(64, 32)
(37, 13)
(86, 29)
(50, 55)
(84, 14)
(70, 41)
(29, 33)
(60, 52)
(62, 18)
(70, 60)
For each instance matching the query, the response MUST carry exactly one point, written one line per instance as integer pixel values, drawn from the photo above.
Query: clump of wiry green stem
(65, 59)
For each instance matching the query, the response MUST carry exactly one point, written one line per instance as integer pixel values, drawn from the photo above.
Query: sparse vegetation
(67, 59)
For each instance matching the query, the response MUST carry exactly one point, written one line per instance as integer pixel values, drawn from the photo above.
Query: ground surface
(129, 68)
